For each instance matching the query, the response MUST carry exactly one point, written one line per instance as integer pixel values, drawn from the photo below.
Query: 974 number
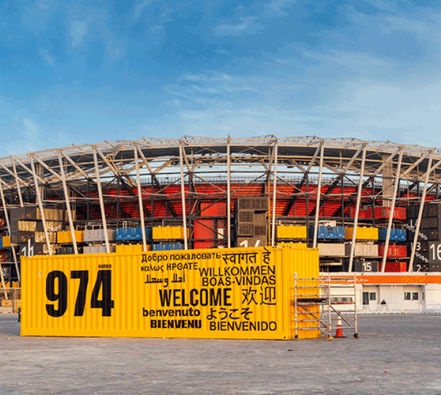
(103, 282)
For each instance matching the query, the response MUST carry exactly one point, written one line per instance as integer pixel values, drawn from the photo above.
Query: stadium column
(392, 209)
(420, 212)
(319, 189)
(141, 205)
(229, 192)
(17, 182)
(273, 226)
(184, 215)
(357, 209)
(67, 200)
(100, 195)
(40, 205)
(5, 210)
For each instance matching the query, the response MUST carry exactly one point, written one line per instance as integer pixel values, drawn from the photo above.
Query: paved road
(407, 347)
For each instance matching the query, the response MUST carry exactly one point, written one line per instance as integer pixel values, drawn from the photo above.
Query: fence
(400, 309)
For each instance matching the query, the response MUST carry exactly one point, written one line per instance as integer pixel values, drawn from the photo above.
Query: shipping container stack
(428, 248)
(211, 230)
(330, 242)
(95, 238)
(127, 236)
(27, 229)
(397, 249)
(291, 234)
(168, 238)
(65, 242)
(251, 222)
(365, 251)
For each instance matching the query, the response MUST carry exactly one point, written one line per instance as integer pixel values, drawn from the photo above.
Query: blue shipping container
(167, 247)
(128, 234)
(1, 242)
(328, 232)
(395, 234)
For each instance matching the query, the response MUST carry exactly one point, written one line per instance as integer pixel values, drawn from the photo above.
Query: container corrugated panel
(394, 267)
(40, 237)
(167, 247)
(291, 232)
(432, 210)
(362, 233)
(363, 250)
(130, 249)
(22, 237)
(217, 209)
(296, 245)
(98, 249)
(395, 234)
(384, 213)
(204, 229)
(129, 234)
(94, 235)
(169, 233)
(330, 249)
(432, 222)
(245, 216)
(245, 229)
(393, 251)
(26, 226)
(328, 232)
(228, 293)
(65, 237)
(6, 240)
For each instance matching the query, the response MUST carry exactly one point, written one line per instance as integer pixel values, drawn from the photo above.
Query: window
(373, 296)
(414, 295)
(406, 295)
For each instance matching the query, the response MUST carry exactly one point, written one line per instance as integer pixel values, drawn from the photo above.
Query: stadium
(369, 207)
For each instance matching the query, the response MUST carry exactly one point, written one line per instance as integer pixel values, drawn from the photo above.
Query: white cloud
(247, 25)
(139, 8)
(78, 30)
(46, 56)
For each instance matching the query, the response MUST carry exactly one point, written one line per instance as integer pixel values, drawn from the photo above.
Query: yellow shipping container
(291, 232)
(362, 233)
(65, 237)
(6, 241)
(6, 302)
(168, 233)
(296, 245)
(240, 293)
(27, 226)
(130, 249)
(40, 237)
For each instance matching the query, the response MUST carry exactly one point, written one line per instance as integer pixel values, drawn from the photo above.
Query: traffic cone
(339, 331)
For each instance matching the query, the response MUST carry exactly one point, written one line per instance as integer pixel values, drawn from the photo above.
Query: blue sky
(86, 71)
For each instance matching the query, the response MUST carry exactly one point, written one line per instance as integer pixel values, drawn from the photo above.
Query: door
(366, 298)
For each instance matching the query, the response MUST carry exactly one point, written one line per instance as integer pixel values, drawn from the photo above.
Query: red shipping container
(395, 267)
(384, 212)
(393, 251)
(362, 213)
(204, 229)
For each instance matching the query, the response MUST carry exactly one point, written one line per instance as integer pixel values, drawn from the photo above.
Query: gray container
(331, 249)
(99, 249)
(98, 235)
